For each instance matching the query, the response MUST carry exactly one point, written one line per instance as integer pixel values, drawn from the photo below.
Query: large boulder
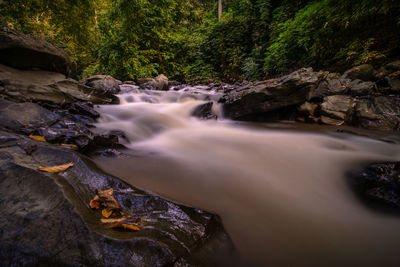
(46, 220)
(337, 109)
(26, 52)
(45, 87)
(105, 84)
(380, 113)
(330, 84)
(360, 88)
(270, 96)
(364, 72)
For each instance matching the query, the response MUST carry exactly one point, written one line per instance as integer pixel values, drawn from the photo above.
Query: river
(280, 189)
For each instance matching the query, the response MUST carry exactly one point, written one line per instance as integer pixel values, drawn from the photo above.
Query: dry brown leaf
(113, 220)
(107, 198)
(129, 227)
(37, 138)
(75, 147)
(106, 213)
(94, 204)
(55, 169)
(123, 223)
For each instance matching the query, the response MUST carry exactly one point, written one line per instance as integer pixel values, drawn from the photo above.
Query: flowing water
(282, 194)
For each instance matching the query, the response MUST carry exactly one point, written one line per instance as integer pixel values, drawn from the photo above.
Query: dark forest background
(184, 39)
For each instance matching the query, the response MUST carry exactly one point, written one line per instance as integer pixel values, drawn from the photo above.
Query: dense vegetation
(184, 39)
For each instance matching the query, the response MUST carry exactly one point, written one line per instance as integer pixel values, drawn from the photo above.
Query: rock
(85, 109)
(330, 84)
(262, 98)
(393, 66)
(378, 185)
(204, 111)
(105, 84)
(46, 219)
(380, 113)
(26, 52)
(308, 112)
(141, 81)
(45, 87)
(337, 109)
(129, 82)
(15, 116)
(364, 72)
(158, 83)
(360, 88)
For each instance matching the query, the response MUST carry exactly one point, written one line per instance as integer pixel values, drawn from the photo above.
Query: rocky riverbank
(361, 97)
(46, 218)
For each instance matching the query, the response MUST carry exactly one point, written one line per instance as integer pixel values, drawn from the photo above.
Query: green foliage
(334, 35)
(67, 24)
(183, 39)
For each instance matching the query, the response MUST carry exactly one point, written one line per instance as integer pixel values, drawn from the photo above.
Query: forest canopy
(184, 39)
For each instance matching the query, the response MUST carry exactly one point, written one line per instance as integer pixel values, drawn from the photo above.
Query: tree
(219, 9)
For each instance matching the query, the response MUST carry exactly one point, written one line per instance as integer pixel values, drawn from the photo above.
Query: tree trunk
(219, 9)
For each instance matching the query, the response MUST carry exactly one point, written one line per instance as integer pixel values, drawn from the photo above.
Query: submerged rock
(46, 219)
(204, 111)
(26, 52)
(379, 185)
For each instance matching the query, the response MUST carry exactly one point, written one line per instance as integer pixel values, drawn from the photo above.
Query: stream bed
(280, 188)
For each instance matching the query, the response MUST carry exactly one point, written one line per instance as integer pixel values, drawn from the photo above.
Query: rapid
(281, 192)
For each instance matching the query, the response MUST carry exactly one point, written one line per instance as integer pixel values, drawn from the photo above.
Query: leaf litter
(115, 218)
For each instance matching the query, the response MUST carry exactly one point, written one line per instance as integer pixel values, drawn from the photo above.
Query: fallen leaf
(106, 213)
(113, 220)
(129, 226)
(55, 169)
(107, 198)
(123, 223)
(37, 138)
(75, 147)
(94, 204)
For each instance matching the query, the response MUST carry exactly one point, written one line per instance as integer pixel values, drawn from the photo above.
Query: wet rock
(337, 109)
(378, 185)
(381, 113)
(270, 96)
(85, 109)
(364, 72)
(105, 84)
(46, 219)
(15, 116)
(360, 88)
(204, 111)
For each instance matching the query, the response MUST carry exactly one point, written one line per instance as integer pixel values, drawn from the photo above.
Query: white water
(281, 194)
